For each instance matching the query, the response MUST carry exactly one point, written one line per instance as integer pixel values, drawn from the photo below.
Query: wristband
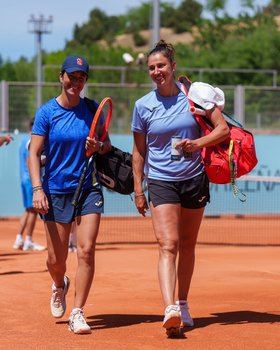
(36, 188)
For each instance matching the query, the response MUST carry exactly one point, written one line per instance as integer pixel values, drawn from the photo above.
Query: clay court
(234, 296)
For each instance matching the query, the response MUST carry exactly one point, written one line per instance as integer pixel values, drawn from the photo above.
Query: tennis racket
(104, 114)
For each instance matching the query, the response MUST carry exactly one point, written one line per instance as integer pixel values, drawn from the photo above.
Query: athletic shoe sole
(80, 331)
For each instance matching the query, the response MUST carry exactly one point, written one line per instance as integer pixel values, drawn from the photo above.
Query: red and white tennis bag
(232, 158)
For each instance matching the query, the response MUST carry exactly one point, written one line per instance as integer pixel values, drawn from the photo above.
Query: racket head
(102, 115)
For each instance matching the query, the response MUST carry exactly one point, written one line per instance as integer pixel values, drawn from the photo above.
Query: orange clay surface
(234, 299)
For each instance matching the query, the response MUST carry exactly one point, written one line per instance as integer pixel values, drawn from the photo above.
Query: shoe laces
(79, 315)
(57, 296)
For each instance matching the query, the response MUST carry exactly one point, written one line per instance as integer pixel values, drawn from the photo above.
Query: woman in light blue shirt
(167, 144)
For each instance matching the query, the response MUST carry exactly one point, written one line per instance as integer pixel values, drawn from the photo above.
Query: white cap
(207, 96)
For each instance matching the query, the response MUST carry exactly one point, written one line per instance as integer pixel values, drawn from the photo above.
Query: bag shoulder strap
(91, 105)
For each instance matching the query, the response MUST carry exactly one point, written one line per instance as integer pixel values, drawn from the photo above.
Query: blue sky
(15, 41)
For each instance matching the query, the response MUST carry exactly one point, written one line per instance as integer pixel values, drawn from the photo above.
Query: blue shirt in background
(23, 155)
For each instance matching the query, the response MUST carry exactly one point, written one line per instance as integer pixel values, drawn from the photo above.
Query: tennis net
(227, 220)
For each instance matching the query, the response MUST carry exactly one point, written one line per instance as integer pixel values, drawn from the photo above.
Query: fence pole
(4, 122)
(239, 103)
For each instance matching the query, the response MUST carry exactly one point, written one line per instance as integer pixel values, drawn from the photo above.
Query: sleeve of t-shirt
(138, 124)
(41, 122)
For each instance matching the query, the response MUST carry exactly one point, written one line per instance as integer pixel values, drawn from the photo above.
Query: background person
(28, 219)
(61, 127)
(5, 140)
(178, 187)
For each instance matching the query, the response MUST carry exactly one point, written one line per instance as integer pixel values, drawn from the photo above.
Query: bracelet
(139, 195)
(36, 188)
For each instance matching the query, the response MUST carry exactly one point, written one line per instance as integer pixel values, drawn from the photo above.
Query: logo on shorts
(99, 203)
(201, 199)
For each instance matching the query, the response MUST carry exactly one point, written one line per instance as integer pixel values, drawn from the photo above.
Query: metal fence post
(239, 103)
(4, 121)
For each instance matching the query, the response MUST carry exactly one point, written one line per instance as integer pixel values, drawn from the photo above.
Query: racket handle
(198, 111)
(78, 190)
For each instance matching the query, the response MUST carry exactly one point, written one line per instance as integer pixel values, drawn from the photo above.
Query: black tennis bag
(115, 170)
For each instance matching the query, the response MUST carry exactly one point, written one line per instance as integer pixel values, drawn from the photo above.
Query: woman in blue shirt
(167, 144)
(61, 128)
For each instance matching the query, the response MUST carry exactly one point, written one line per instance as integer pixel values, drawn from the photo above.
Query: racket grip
(198, 111)
(78, 190)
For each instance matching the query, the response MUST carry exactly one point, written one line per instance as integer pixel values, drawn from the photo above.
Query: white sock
(28, 239)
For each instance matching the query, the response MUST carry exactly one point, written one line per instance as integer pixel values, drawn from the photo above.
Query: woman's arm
(217, 135)
(5, 139)
(138, 162)
(40, 201)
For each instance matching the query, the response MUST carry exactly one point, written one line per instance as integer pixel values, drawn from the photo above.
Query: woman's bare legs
(166, 223)
(190, 223)
(87, 231)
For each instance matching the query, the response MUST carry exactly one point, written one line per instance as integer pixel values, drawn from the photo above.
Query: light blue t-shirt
(160, 118)
(65, 132)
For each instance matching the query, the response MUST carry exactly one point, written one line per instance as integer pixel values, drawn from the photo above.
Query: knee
(187, 245)
(86, 254)
(168, 247)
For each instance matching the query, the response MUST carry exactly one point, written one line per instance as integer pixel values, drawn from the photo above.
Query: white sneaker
(58, 300)
(185, 314)
(18, 242)
(172, 317)
(77, 322)
(29, 245)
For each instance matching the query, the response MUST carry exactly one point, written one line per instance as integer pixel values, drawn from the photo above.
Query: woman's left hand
(188, 145)
(93, 145)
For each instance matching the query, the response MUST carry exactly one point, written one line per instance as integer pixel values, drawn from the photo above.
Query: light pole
(156, 22)
(39, 26)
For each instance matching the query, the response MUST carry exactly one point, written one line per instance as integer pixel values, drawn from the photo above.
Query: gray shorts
(61, 209)
(192, 193)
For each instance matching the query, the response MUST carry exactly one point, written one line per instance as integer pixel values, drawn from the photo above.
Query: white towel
(207, 96)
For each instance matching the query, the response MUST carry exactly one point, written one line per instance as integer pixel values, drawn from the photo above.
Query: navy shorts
(61, 209)
(192, 193)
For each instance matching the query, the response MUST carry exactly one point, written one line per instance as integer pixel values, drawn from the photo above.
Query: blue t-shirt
(23, 155)
(65, 131)
(160, 118)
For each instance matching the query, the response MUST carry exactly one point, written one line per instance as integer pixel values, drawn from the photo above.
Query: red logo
(79, 61)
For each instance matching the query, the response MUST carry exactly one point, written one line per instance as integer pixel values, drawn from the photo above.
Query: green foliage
(138, 18)
(251, 42)
(138, 39)
(187, 15)
(100, 26)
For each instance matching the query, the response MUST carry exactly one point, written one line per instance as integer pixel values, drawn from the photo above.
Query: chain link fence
(255, 107)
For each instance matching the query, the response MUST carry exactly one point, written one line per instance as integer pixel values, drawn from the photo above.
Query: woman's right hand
(141, 203)
(40, 202)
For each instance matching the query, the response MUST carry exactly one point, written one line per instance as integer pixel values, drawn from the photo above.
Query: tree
(214, 6)
(187, 14)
